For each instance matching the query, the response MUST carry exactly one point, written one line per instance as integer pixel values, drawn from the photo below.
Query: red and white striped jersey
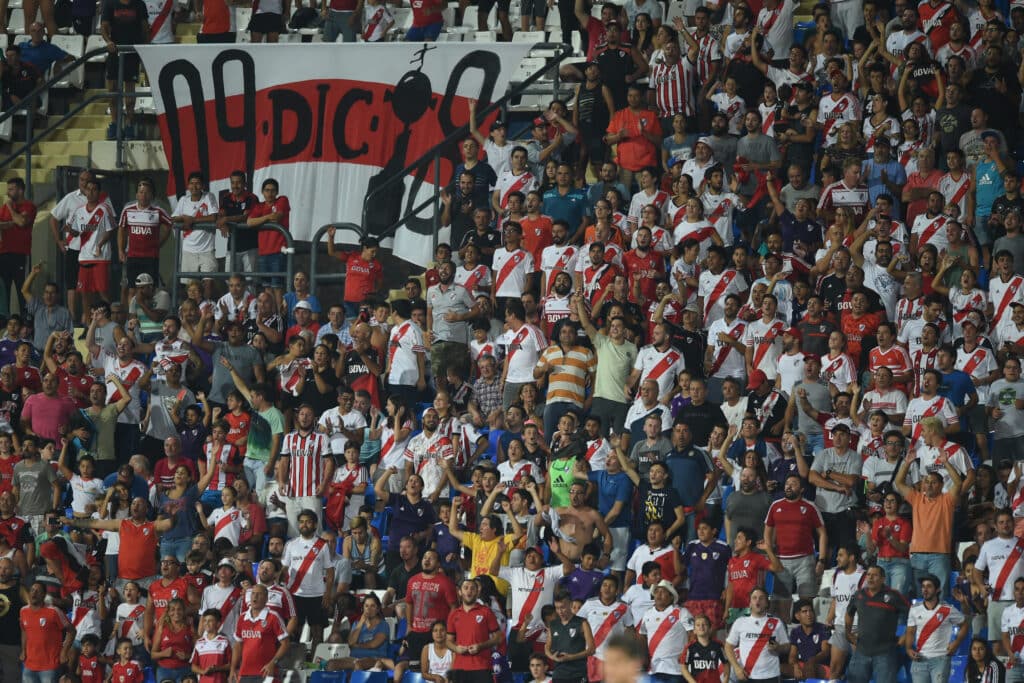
(308, 453)
(217, 457)
(279, 601)
(226, 599)
(129, 373)
(674, 87)
(210, 652)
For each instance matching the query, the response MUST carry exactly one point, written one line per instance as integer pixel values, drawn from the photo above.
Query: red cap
(793, 332)
(757, 378)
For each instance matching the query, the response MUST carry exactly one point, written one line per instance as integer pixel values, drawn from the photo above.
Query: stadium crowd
(718, 378)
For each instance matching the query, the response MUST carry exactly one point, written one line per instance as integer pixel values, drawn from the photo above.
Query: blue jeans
(934, 670)
(863, 668)
(338, 24)
(430, 33)
(938, 564)
(255, 475)
(178, 547)
(28, 676)
(272, 263)
(815, 443)
(897, 573)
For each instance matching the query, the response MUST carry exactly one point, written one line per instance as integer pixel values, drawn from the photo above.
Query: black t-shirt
(815, 336)
(399, 577)
(950, 124)
(21, 81)
(656, 505)
(245, 240)
(693, 345)
(127, 21)
(701, 419)
(616, 64)
(488, 240)
(832, 289)
(705, 662)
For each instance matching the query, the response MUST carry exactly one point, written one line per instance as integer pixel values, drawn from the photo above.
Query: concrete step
(79, 134)
(40, 175)
(64, 149)
(43, 160)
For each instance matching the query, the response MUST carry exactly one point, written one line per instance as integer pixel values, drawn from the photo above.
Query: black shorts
(484, 6)
(265, 22)
(414, 642)
(481, 676)
(136, 266)
(71, 269)
(209, 38)
(311, 611)
(131, 67)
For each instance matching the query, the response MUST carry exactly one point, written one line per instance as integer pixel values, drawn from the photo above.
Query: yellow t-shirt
(483, 555)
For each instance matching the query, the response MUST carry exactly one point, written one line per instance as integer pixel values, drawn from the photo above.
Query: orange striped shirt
(569, 373)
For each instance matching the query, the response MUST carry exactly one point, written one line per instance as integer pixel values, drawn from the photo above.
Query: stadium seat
(802, 31)
(528, 37)
(675, 9)
(412, 677)
(327, 651)
(368, 677)
(958, 668)
(327, 677)
(486, 36)
(93, 43)
(825, 588)
(3, 42)
(17, 22)
(74, 46)
(148, 676)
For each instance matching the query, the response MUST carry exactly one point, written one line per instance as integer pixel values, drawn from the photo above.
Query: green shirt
(614, 363)
(265, 424)
(561, 477)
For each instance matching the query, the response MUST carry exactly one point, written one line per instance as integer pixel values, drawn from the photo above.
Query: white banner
(329, 121)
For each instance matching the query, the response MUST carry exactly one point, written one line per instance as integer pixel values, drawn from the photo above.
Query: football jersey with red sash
(1003, 559)
(605, 621)
(752, 637)
(667, 633)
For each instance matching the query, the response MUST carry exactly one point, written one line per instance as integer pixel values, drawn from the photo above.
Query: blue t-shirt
(41, 56)
(808, 645)
(688, 471)
(872, 177)
(706, 566)
(957, 386)
(408, 518)
(138, 489)
(612, 488)
(569, 208)
(988, 183)
(367, 634)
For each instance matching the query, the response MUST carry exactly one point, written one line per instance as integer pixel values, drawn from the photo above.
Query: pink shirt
(47, 414)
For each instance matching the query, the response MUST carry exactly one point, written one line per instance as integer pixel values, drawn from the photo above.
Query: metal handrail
(339, 276)
(231, 259)
(434, 154)
(29, 105)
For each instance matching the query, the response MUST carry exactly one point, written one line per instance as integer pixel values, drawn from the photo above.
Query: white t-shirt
(405, 342)
(746, 632)
(524, 349)
(671, 644)
(197, 241)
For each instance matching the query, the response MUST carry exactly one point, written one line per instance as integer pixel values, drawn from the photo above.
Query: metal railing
(29, 106)
(231, 260)
(436, 153)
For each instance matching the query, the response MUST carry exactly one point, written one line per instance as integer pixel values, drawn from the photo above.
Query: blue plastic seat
(148, 676)
(958, 668)
(367, 677)
(802, 31)
(327, 677)
(412, 677)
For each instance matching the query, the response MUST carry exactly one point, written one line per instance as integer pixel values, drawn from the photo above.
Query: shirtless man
(578, 523)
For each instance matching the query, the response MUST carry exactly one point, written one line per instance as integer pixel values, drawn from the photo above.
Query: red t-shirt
(431, 598)
(211, 652)
(176, 641)
(161, 595)
(636, 152)
(744, 573)
(643, 268)
(91, 668)
(362, 278)
(260, 637)
(6, 484)
(238, 430)
(536, 236)
(28, 378)
(68, 384)
(163, 471)
(426, 12)
(472, 628)
(902, 530)
(43, 629)
(143, 226)
(18, 240)
(126, 673)
(137, 554)
(795, 523)
(270, 241)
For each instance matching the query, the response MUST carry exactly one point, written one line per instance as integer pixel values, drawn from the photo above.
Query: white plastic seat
(486, 36)
(528, 37)
(95, 42)
(74, 46)
(675, 9)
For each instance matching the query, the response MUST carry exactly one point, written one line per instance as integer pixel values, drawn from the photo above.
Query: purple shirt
(706, 565)
(582, 584)
(192, 441)
(808, 645)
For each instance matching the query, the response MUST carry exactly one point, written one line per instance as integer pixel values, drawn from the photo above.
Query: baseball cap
(539, 121)
(303, 304)
(811, 357)
(757, 378)
(989, 134)
(692, 307)
(675, 160)
(427, 410)
(704, 139)
(227, 563)
(498, 123)
(143, 279)
(534, 549)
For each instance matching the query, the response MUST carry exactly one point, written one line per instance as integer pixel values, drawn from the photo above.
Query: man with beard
(791, 527)
(725, 351)
(473, 633)
(361, 365)
(557, 305)
(644, 268)
(424, 453)
(449, 309)
(430, 596)
(559, 257)
(720, 205)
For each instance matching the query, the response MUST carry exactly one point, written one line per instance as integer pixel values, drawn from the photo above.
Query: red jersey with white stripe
(217, 457)
(161, 594)
(308, 453)
(511, 269)
(142, 226)
(936, 21)
(211, 652)
(260, 636)
(895, 358)
(279, 601)
(674, 87)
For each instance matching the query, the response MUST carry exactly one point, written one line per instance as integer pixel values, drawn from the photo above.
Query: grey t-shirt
(840, 463)
(789, 195)
(724, 149)
(104, 337)
(162, 398)
(746, 511)
(820, 400)
(47, 321)
(1003, 394)
(34, 481)
(243, 358)
(453, 299)
(759, 149)
(644, 454)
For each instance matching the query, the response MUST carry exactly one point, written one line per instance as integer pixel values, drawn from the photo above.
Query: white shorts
(205, 262)
(620, 548)
(838, 639)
